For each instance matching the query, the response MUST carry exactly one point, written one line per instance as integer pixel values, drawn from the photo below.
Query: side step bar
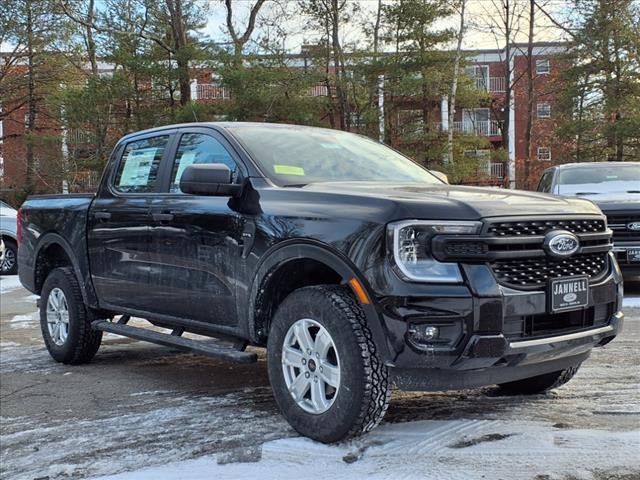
(208, 348)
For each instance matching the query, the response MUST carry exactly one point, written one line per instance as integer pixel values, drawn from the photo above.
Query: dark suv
(355, 268)
(615, 188)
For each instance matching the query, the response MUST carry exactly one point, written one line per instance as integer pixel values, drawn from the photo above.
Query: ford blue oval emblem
(561, 243)
(633, 226)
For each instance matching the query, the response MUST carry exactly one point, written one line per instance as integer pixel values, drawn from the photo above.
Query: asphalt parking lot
(144, 411)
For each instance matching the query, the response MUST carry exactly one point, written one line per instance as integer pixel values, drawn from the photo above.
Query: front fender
(294, 249)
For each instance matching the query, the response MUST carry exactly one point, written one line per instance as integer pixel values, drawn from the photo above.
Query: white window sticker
(137, 168)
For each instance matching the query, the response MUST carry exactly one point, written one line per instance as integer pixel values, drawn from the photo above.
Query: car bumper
(484, 338)
(627, 263)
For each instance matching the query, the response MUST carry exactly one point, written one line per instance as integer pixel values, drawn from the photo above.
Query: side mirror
(209, 179)
(440, 175)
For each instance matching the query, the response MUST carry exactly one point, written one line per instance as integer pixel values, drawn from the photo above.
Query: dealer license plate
(633, 255)
(568, 293)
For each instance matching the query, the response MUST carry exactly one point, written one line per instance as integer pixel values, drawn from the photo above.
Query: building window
(544, 154)
(356, 120)
(27, 118)
(480, 74)
(543, 67)
(544, 110)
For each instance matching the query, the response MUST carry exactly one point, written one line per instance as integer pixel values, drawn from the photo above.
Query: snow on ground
(9, 282)
(631, 301)
(30, 320)
(442, 450)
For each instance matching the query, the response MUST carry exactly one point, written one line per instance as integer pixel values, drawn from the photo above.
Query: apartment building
(485, 67)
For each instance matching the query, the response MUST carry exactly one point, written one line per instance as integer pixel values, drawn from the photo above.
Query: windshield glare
(596, 180)
(298, 156)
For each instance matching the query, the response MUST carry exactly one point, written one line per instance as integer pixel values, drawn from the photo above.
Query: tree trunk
(91, 44)
(528, 131)
(338, 62)
(31, 100)
(454, 86)
(179, 43)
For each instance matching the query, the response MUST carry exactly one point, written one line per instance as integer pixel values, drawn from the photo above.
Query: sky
(480, 16)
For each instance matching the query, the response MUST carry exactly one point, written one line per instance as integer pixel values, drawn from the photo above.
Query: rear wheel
(9, 264)
(65, 321)
(539, 384)
(327, 377)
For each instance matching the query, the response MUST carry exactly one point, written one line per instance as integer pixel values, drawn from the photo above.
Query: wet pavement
(139, 405)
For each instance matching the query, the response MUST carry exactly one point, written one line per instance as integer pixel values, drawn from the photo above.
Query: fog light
(424, 333)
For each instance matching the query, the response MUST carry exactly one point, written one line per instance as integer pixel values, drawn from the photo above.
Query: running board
(209, 348)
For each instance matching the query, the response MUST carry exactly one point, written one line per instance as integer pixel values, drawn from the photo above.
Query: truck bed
(45, 217)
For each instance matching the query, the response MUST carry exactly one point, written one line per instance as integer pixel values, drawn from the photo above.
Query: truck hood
(458, 202)
(616, 202)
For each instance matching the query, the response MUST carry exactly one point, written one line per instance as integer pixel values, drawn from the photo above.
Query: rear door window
(138, 169)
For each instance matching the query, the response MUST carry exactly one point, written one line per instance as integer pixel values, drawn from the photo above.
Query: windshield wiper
(587, 193)
(296, 185)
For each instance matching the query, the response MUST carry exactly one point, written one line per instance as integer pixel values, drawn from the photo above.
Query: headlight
(411, 243)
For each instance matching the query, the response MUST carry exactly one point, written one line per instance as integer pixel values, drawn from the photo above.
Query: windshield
(600, 179)
(298, 156)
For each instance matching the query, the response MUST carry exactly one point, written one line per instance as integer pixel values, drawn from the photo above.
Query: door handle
(102, 215)
(162, 217)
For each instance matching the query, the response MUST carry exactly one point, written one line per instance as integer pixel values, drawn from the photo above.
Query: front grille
(462, 248)
(528, 326)
(541, 227)
(533, 273)
(618, 224)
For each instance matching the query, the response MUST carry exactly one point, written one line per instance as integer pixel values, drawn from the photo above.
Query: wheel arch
(296, 264)
(54, 251)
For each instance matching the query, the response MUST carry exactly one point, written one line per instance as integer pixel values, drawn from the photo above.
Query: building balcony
(318, 91)
(490, 84)
(209, 91)
(491, 128)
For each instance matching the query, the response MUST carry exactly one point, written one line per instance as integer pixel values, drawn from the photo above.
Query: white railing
(491, 169)
(318, 91)
(75, 136)
(211, 91)
(486, 128)
(491, 84)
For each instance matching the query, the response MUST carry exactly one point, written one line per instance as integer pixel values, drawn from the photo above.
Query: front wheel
(65, 321)
(539, 384)
(326, 375)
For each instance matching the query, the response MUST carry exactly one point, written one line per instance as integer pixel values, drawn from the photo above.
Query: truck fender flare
(288, 250)
(51, 238)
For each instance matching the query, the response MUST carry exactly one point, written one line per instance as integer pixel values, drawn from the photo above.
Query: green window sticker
(288, 170)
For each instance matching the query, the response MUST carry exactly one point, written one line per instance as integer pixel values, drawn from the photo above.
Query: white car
(8, 235)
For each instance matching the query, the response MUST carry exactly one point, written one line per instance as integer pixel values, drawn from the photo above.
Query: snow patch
(9, 283)
(443, 450)
(25, 321)
(631, 301)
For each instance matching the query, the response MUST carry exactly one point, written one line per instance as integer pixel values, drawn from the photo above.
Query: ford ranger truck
(353, 266)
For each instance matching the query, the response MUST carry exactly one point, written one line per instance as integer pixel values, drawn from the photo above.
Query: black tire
(10, 263)
(539, 384)
(82, 342)
(363, 396)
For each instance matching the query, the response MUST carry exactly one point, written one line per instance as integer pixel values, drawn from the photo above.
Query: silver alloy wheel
(9, 260)
(58, 316)
(311, 366)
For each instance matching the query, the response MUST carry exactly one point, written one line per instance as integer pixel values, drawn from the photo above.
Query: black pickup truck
(355, 268)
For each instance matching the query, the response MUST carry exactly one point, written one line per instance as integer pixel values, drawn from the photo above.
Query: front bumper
(627, 264)
(487, 340)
